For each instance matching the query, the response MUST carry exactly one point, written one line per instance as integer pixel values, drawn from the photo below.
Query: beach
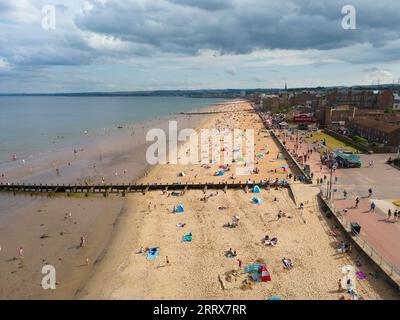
(200, 269)
(41, 225)
(115, 228)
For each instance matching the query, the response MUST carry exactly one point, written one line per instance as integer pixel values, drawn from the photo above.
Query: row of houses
(378, 131)
(361, 112)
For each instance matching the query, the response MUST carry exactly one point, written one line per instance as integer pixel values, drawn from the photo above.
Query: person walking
(389, 215)
(369, 193)
(373, 206)
(357, 202)
(344, 194)
(82, 244)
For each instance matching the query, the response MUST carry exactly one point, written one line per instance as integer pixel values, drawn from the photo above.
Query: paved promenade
(384, 180)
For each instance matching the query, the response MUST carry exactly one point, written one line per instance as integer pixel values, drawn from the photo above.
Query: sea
(31, 126)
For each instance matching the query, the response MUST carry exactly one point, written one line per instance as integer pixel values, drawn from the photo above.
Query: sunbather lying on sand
(287, 263)
(230, 253)
(344, 248)
(271, 242)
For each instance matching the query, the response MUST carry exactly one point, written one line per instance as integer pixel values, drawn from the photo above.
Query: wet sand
(39, 223)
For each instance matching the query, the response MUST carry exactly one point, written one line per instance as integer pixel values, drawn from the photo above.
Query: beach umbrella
(256, 189)
(220, 173)
(283, 166)
(182, 174)
(261, 155)
(179, 208)
(347, 269)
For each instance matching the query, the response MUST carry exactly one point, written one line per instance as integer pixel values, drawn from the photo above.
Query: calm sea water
(29, 125)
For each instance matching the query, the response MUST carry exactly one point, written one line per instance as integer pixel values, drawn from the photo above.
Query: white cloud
(4, 64)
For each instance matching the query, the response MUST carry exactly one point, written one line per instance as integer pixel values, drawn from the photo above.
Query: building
(337, 116)
(362, 99)
(304, 98)
(377, 131)
(270, 102)
(385, 99)
(396, 101)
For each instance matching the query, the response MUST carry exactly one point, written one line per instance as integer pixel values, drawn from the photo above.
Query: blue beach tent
(256, 200)
(152, 253)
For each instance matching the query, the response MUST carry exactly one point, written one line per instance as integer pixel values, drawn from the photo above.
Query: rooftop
(381, 125)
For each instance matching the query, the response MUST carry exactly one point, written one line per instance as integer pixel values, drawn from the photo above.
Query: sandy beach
(42, 225)
(115, 228)
(199, 269)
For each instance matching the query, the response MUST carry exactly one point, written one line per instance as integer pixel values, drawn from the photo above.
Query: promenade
(384, 180)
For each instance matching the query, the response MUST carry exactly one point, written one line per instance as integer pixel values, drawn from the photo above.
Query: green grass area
(331, 142)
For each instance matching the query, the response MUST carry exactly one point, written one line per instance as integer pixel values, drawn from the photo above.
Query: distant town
(366, 117)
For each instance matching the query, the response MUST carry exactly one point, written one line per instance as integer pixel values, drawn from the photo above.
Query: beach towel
(361, 275)
(152, 253)
(255, 267)
(187, 237)
(347, 269)
(256, 276)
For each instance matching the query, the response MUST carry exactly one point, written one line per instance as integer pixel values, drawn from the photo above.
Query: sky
(130, 45)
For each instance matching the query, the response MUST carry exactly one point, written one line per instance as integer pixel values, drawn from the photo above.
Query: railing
(293, 159)
(388, 267)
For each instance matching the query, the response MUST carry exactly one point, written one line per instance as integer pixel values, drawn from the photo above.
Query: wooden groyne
(124, 188)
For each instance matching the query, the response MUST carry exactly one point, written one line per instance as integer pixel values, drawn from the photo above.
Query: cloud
(240, 27)
(376, 75)
(207, 5)
(4, 64)
(161, 38)
(231, 71)
(257, 79)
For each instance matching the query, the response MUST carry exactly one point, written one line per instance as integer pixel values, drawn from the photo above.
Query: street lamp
(329, 187)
